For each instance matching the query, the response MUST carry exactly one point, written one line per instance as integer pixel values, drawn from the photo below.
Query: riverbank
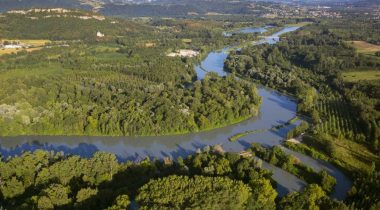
(273, 128)
(227, 123)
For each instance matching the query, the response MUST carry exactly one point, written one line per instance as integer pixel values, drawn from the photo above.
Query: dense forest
(211, 179)
(119, 84)
(66, 25)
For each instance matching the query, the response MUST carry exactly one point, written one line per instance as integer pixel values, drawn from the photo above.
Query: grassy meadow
(365, 47)
(355, 76)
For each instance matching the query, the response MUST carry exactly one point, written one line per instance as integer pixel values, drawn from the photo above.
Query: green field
(354, 76)
(365, 47)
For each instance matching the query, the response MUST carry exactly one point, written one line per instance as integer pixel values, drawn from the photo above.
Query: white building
(12, 46)
(184, 53)
(99, 34)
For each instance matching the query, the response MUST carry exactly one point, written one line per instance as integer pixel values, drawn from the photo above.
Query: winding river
(276, 109)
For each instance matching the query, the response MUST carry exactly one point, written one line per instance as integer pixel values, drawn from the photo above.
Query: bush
(327, 182)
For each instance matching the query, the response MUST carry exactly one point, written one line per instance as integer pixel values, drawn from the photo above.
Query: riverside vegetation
(211, 179)
(124, 84)
(344, 114)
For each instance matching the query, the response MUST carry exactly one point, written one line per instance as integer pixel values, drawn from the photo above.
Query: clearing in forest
(365, 47)
(355, 76)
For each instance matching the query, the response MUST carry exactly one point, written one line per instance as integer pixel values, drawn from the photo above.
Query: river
(275, 109)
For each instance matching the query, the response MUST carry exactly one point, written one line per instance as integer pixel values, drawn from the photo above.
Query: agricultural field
(355, 76)
(28, 45)
(347, 154)
(10, 51)
(365, 47)
(353, 155)
(337, 119)
(33, 42)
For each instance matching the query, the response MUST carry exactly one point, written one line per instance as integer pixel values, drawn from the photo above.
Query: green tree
(85, 193)
(57, 194)
(263, 195)
(44, 203)
(308, 200)
(12, 188)
(180, 192)
(327, 181)
(121, 202)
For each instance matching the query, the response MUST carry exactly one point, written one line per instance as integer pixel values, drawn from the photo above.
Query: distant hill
(178, 8)
(168, 8)
(6, 5)
(129, 8)
(63, 24)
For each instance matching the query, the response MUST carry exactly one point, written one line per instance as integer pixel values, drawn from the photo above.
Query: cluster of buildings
(294, 10)
(24, 12)
(324, 12)
(184, 53)
(12, 45)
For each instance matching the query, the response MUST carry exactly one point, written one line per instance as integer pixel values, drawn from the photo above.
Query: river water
(275, 109)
